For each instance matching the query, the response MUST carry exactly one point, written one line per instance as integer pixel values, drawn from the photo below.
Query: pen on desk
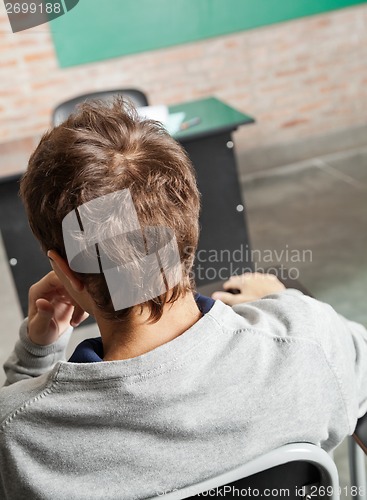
(190, 123)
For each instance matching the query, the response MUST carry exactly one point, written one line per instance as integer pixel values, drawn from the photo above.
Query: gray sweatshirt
(237, 384)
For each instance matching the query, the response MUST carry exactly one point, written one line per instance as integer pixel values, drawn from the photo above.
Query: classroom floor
(319, 206)
(317, 210)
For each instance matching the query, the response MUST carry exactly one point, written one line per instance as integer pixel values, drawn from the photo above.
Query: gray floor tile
(315, 211)
(353, 165)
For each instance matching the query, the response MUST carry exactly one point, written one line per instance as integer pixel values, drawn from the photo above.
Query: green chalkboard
(95, 30)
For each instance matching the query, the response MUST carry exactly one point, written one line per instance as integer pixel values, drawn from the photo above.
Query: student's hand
(51, 310)
(252, 286)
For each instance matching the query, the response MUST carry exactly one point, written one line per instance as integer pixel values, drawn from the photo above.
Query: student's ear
(62, 269)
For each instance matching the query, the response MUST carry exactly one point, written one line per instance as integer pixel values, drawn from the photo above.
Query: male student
(180, 387)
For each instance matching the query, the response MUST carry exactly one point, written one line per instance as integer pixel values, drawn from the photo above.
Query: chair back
(295, 471)
(63, 110)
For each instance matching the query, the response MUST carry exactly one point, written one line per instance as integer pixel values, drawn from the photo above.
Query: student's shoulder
(288, 313)
(17, 397)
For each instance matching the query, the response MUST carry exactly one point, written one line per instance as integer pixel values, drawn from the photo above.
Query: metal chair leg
(357, 469)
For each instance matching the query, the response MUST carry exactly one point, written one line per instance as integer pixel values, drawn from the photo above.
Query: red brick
(295, 122)
(38, 56)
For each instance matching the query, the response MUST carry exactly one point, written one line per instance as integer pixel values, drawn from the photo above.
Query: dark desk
(27, 262)
(223, 224)
(223, 218)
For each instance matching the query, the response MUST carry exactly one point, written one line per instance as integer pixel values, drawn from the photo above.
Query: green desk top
(215, 116)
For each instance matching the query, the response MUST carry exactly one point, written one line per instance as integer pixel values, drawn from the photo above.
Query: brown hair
(100, 149)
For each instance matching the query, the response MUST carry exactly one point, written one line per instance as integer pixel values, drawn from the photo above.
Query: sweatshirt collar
(91, 350)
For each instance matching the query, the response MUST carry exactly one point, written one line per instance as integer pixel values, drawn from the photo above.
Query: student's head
(102, 149)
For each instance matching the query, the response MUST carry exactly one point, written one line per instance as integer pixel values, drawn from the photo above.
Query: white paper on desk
(158, 113)
(171, 122)
(174, 122)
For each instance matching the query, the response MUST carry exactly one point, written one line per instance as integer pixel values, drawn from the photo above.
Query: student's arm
(44, 335)
(345, 346)
(30, 360)
(344, 343)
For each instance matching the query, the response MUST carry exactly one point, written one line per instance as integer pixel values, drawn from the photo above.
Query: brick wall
(299, 79)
